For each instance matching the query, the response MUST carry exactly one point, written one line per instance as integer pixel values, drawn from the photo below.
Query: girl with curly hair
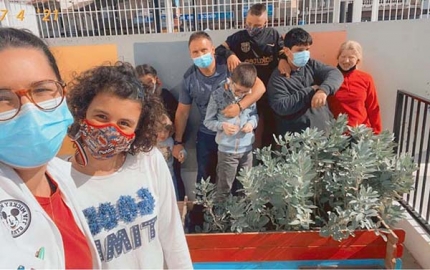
(124, 185)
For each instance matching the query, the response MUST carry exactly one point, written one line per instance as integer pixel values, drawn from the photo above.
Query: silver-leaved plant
(337, 183)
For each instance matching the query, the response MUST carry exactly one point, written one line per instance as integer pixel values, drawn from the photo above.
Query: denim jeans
(207, 156)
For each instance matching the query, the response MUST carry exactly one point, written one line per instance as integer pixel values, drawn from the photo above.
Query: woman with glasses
(124, 185)
(40, 225)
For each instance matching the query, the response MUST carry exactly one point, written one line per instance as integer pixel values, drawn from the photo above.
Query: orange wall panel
(326, 45)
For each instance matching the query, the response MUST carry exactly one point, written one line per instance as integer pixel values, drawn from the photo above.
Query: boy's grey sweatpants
(228, 167)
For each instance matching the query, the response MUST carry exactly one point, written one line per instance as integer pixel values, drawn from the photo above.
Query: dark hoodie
(290, 98)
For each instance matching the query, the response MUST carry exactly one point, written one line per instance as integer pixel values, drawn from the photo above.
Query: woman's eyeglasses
(46, 95)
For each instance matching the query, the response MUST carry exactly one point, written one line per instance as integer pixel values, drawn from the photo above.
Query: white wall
(27, 20)
(397, 54)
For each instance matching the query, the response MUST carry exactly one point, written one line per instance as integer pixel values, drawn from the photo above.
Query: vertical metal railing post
(357, 10)
(397, 118)
(169, 16)
(375, 11)
(417, 202)
(132, 17)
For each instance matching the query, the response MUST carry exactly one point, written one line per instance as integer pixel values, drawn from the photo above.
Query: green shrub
(336, 183)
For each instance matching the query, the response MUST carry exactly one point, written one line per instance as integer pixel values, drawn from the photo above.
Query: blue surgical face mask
(33, 137)
(203, 61)
(301, 58)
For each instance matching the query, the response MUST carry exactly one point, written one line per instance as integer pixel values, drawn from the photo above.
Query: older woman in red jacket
(357, 96)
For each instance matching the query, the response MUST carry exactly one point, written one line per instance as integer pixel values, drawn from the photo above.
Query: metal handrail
(411, 129)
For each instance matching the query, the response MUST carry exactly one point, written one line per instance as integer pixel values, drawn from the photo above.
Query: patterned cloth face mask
(104, 141)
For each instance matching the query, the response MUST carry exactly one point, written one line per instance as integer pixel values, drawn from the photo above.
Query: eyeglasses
(239, 91)
(46, 95)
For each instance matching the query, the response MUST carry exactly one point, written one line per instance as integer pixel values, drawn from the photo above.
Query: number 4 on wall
(20, 16)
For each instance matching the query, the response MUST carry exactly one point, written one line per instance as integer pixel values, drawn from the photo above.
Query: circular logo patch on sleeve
(16, 216)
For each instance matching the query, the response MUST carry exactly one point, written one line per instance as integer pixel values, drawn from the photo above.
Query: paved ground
(409, 261)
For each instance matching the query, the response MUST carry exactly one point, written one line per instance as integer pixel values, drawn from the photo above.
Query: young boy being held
(235, 135)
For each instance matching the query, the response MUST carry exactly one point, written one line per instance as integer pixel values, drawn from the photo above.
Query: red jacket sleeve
(372, 107)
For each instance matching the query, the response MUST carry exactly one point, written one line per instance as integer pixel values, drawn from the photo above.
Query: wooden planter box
(295, 250)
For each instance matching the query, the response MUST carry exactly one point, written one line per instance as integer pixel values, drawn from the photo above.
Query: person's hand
(284, 68)
(183, 155)
(229, 129)
(319, 99)
(247, 128)
(231, 111)
(176, 152)
(232, 62)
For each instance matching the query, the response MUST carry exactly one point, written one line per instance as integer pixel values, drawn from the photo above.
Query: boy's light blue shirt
(240, 142)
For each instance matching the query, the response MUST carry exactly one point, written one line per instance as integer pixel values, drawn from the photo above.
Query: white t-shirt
(133, 216)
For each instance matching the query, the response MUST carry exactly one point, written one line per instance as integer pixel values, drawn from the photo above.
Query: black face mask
(254, 31)
(345, 71)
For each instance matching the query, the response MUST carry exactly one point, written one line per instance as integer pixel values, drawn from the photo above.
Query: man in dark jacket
(299, 101)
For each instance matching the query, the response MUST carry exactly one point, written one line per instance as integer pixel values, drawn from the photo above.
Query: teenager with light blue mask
(41, 226)
(300, 101)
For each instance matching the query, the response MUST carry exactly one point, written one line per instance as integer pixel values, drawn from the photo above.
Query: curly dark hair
(120, 80)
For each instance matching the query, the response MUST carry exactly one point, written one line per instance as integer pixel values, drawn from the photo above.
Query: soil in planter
(194, 218)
